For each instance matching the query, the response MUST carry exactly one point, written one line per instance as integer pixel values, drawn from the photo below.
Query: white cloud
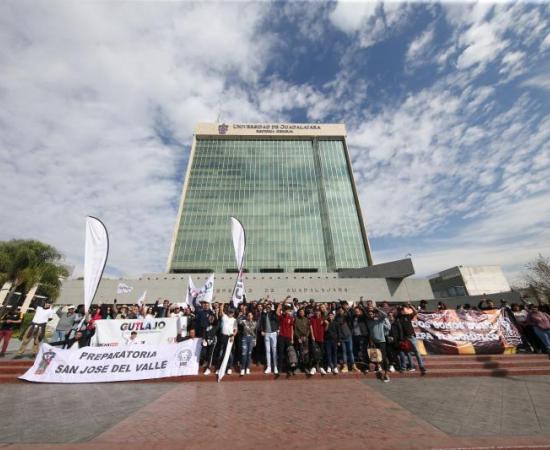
(99, 101)
(541, 81)
(419, 48)
(350, 16)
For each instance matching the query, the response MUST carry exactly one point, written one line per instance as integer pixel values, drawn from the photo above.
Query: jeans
(412, 340)
(283, 344)
(544, 336)
(246, 351)
(270, 340)
(347, 351)
(330, 352)
(59, 336)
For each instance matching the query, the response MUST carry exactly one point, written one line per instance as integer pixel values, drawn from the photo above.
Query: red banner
(467, 332)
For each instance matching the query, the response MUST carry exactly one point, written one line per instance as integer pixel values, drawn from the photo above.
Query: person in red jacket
(317, 326)
(286, 336)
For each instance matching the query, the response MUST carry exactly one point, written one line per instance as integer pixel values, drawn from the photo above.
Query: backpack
(292, 356)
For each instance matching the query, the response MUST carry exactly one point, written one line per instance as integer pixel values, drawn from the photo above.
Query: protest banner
(149, 331)
(106, 364)
(466, 332)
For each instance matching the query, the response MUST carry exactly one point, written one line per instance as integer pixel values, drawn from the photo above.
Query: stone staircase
(438, 366)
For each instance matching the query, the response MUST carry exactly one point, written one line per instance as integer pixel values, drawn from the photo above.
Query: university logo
(222, 128)
(45, 362)
(184, 357)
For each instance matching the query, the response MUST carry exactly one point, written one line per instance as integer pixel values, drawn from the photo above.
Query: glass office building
(292, 188)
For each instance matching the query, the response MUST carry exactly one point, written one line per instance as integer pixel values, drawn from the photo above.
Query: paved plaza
(469, 412)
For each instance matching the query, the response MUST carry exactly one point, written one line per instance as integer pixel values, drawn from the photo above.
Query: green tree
(538, 276)
(28, 262)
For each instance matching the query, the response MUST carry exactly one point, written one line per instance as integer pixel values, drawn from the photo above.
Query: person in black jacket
(209, 335)
(344, 330)
(269, 327)
(360, 336)
(332, 338)
(405, 317)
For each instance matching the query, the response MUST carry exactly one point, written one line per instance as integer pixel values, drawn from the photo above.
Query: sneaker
(366, 371)
(217, 372)
(379, 369)
(355, 368)
(276, 372)
(242, 372)
(411, 369)
(229, 372)
(329, 370)
(322, 371)
(392, 369)
(267, 371)
(335, 371)
(248, 371)
(423, 371)
(344, 369)
(386, 379)
(207, 372)
(313, 371)
(18, 357)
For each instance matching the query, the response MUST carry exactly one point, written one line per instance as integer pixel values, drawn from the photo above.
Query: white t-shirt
(42, 315)
(229, 325)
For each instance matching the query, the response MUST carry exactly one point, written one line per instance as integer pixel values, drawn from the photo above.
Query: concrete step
(515, 357)
(259, 376)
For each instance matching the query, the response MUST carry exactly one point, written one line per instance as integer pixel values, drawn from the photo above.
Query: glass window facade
(294, 198)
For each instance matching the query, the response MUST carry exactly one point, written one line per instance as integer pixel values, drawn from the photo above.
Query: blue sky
(447, 107)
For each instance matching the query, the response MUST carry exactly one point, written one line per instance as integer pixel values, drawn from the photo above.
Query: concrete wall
(319, 286)
(484, 280)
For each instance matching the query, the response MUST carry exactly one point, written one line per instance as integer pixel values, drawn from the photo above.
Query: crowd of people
(283, 336)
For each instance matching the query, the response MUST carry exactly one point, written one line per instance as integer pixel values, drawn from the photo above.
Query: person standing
(331, 343)
(7, 325)
(36, 329)
(317, 327)
(269, 326)
(540, 321)
(248, 342)
(376, 323)
(286, 337)
(301, 336)
(66, 322)
(344, 333)
(228, 332)
(405, 317)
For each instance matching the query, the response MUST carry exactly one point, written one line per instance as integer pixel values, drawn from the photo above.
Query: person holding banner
(209, 342)
(228, 333)
(540, 321)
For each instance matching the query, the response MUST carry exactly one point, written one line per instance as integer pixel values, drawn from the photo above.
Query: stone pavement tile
(298, 414)
(69, 413)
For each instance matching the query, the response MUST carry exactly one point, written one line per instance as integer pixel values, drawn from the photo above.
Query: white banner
(95, 258)
(237, 233)
(105, 364)
(149, 331)
(123, 288)
(239, 242)
(207, 291)
(238, 291)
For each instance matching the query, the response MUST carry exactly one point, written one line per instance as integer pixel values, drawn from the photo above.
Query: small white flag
(123, 288)
(207, 291)
(141, 300)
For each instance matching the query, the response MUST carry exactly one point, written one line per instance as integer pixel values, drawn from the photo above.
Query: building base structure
(351, 285)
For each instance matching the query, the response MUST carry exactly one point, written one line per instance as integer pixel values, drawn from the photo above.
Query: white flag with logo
(207, 291)
(191, 293)
(123, 288)
(95, 258)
